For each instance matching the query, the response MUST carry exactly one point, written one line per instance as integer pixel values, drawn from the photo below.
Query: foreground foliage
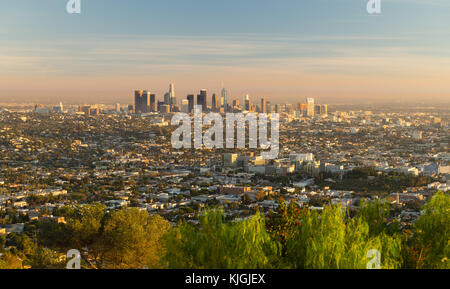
(291, 237)
(215, 244)
(430, 241)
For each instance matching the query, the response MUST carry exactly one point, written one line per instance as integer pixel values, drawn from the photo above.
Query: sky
(332, 50)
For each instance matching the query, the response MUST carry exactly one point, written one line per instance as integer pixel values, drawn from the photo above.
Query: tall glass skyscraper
(310, 107)
(190, 99)
(202, 99)
(224, 96)
(215, 102)
(141, 101)
(173, 99)
(263, 105)
(247, 104)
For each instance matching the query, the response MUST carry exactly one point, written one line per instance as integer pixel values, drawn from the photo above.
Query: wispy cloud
(134, 54)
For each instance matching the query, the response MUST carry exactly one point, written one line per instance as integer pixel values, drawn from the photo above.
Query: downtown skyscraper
(153, 107)
(215, 103)
(172, 98)
(202, 99)
(191, 102)
(142, 101)
(225, 101)
(247, 103)
(263, 105)
(310, 107)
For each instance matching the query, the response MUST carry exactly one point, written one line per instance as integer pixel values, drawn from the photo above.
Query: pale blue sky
(290, 48)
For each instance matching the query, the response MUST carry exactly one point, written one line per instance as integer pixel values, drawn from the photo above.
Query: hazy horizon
(334, 52)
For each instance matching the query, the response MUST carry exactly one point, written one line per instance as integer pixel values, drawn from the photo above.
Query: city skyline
(147, 102)
(331, 51)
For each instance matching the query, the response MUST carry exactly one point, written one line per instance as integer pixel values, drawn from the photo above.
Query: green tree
(81, 231)
(283, 224)
(329, 240)
(132, 239)
(218, 245)
(43, 258)
(431, 238)
(375, 214)
(22, 242)
(84, 226)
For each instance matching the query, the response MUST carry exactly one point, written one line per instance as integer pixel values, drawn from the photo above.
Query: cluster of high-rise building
(310, 108)
(145, 102)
